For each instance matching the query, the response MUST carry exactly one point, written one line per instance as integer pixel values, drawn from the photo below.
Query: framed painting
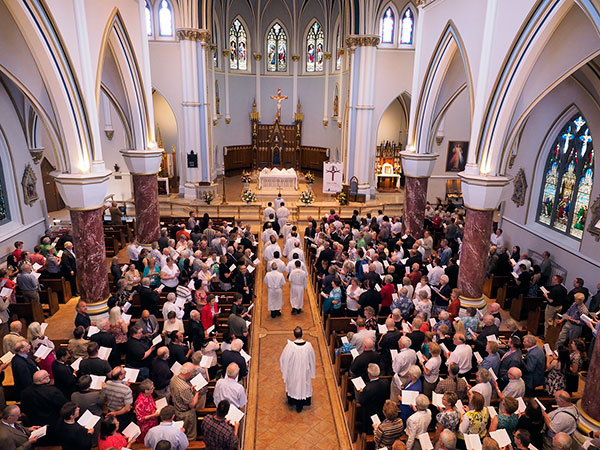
(457, 156)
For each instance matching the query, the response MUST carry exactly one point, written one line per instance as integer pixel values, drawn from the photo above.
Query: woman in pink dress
(36, 339)
(145, 409)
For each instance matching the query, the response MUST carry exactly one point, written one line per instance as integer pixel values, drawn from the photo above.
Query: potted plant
(248, 196)
(307, 197)
(208, 197)
(341, 198)
(246, 179)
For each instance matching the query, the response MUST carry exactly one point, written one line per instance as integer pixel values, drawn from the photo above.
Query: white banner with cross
(333, 173)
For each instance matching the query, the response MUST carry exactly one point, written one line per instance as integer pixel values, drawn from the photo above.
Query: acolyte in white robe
(298, 367)
(282, 215)
(275, 282)
(289, 245)
(297, 286)
(269, 251)
(280, 265)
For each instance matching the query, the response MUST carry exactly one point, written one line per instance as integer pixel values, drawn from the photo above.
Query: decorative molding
(295, 58)
(593, 217)
(213, 47)
(511, 161)
(325, 122)
(257, 56)
(194, 34)
(341, 50)
(327, 56)
(215, 122)
(109, 134)
(226, 53)
(36, 154)
(227, 120)
(28, 182)
(367, 40)
(519, 189)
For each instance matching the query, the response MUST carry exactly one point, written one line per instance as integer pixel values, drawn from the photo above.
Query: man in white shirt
(298, 284)
(291, 242)
(516, 386)
(406, 357)
(435, 273)
(361, 334)
(461, 355)
(497, 239)
(275, 282)
(227, 388)
(276, 260)
(291, 265)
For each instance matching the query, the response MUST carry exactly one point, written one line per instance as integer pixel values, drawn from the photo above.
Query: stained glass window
(238, 46)
(387, 26)
(165, 19)
(568, 179)
(276, 49)
(148, 20)
(338, 59)
(314, 48)
(4, 214)
(407, 27)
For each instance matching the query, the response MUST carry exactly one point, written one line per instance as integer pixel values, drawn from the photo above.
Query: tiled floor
(272, 424)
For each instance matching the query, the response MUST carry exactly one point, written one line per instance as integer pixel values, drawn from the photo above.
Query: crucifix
(279, 99)
(333, 170)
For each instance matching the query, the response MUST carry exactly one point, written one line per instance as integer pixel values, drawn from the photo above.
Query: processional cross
(279, 99)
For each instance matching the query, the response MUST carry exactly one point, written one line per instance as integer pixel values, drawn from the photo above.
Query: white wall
(392, 126)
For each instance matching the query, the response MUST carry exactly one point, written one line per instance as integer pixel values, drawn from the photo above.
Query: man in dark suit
(105, 338)
(68, 267)
(534, 365)
(370, 297)
(138, 352)
(195, 331)
(149, 324)
(369, 356)
(234, 356)
(327, 254)
(82, 317)
(149, 298)
(23, 367)
(489, 329)
(42, 402)
(512, 358)
(13, 435)
(244, 283)
(373, 397)
(416, 336)
(63, 374)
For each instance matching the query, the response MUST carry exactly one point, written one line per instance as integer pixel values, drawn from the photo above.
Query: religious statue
(279, 98)
(335, 105)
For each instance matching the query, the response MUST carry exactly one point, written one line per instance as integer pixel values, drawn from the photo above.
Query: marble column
(90, 254)
(475, 249)
(415, 199)
(591, 393)
(147, 222)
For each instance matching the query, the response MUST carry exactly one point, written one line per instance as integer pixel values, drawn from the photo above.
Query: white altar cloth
(277, 179)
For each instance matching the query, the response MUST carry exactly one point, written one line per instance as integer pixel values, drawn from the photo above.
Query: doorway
(54, 201)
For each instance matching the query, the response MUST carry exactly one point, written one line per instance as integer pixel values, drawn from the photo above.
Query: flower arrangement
(246, 177)
(248, 196)
(341, 198)
(208, 197)
(309, 177)
(307, 197)
(398, 168)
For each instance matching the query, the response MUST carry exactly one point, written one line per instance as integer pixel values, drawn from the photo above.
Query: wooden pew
(59, 285)
(50, 298)
(491, 285)
(111, 245)
(30, 312)
(521, 306)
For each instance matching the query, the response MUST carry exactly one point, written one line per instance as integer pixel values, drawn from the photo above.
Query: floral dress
(449, 420)
(556, 380)
(145, 406)
(478, 422)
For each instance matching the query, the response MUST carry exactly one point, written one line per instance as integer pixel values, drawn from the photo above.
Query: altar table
(277, 179)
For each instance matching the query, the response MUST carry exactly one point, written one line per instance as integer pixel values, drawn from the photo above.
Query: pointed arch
(117, 38)
(314, 47)
(339, 44)
(449, 45)
(239, 44)
(388, 20)
(536, 32)
(276, 47)
(406, 26)
(216, 39)
(149, 19)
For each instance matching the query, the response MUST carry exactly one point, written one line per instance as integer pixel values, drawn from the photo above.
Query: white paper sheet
(382, 328)
(425, 441)
(198, 382)
(234, 415)
(472, 442)
(157, 340)
(161, 403)
(245, 355)
(358, 383)
(375, 419)
(492, 411)
(206, 361)
(176, 368)
(97, 382)
(88, 420)
(104, 353)
(92, 330)
(132, 431)
(75, 364)
(409, 397)
(131, 374)
(501, 437)
(522, 405)
(354, 353)
(42, 352)
(7, 357)
(39, 433)
(437, 400)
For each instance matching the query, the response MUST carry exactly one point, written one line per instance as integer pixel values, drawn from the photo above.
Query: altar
(277, 179)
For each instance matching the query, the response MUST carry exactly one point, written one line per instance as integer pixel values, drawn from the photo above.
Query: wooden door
(54, 202)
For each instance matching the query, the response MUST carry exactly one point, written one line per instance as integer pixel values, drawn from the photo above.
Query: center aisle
(272, 424)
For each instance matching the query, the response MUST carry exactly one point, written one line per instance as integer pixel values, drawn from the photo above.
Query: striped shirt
(117, 394)
(182, 393)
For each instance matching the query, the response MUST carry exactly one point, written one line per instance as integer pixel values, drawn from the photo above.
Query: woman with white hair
(353, 292)
(118, 327)
(441, 295)
(206, 275)
(422, 285)
(36, 338)
(171, 306)
(423, 304)
(414, 384)
(418, 422)
(483, 385)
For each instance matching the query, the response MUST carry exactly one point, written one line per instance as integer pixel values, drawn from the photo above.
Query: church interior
(123, 120)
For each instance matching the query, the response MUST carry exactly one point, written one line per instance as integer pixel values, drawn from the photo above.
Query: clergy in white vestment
(291, 265)
(297, 364)
(278, 202)
(297, 251)
(268, 211)
(297, 278)
(275, 282)
(282, 215)
(286, 231)
(290, 243)
(280, 264)
(266, 236)
(270, 250)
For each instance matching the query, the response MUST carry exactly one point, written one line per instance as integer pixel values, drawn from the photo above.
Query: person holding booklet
(166, 431)
(110, 437)
(146, 410)
(71, 435)
(573, 321)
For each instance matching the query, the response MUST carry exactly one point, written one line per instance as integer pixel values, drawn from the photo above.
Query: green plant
(248, 196)
(309, 177)
(341, 198)
(307, 197)
(208, 197)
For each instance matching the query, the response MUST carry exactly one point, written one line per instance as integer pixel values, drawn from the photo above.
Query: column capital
(257, 56)
(82, 191)
(482, 192)
(143, 162)
(327, 56)
(194, 34)
(363, 40)
(418, 165)
(295, 58)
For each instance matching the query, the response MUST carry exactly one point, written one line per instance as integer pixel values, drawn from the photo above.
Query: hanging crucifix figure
(279, 99)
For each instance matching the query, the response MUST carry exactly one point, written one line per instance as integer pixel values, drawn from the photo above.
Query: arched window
(568, 179)
(388, 22)
(4, 212)
(165, 19)
(314, 48)
(338, 54)
(407, 27)
(238, 46)
(276, 49)
(148, 20)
